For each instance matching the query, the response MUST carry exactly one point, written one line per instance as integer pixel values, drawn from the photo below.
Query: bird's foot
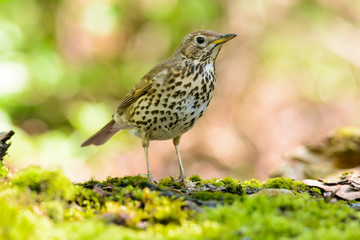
(151, 179)
(182, 179)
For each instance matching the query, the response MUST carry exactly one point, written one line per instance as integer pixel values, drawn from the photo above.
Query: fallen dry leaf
(346, 187)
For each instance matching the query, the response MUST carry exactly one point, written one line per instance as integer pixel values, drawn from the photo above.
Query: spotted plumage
(171, 97)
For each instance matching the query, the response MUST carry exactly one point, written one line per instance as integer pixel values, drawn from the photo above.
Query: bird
(170, 98)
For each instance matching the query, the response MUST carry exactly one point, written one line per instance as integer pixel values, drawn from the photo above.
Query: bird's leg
(182, 176)
(145, 144)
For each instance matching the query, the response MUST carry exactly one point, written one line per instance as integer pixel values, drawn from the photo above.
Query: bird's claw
(181, 179)
(152, 180)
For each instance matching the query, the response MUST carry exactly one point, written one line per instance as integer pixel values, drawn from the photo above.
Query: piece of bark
(4, 137)
(344, 190)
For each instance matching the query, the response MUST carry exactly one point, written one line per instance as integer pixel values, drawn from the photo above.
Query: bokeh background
(291, 76)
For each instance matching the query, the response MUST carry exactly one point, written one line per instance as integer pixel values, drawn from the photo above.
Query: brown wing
(157, 74)
(142, 87)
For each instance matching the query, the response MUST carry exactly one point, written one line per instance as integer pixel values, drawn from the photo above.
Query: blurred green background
(290, 76)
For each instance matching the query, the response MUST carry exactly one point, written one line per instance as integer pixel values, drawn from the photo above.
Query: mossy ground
(41, 204)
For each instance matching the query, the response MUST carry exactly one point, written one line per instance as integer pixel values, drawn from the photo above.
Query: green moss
(50, 185)
(286, 183)
(230, 181)
(126, 181)
(315, 191)
(54, 209)
(145, 205)
(41, 204)
(214, 181)
(4, 171)
(282, 217)
(100, 230)
(233, 186)
(170, 182)
(165, 211)
(91, 182)
(195, 178)
(89, 200)
(252, 184)
(226, 182)
(206, 195)
(218, 196)
(20, 223)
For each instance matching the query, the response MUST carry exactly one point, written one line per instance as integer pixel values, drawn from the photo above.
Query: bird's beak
(224, 38)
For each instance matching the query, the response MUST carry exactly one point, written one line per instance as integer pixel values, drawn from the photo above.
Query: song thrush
(171, 97)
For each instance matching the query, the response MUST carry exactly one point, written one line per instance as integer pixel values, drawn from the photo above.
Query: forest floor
(36, 203)
(42, 204)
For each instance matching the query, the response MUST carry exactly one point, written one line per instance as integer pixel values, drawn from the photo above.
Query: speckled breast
(173, 108)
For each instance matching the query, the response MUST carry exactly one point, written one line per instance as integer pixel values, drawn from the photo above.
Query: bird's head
(203, 45)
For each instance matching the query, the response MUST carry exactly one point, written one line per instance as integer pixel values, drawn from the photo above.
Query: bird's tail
(103, 135)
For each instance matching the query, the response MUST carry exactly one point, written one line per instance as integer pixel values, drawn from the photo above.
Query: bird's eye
(200, 40)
